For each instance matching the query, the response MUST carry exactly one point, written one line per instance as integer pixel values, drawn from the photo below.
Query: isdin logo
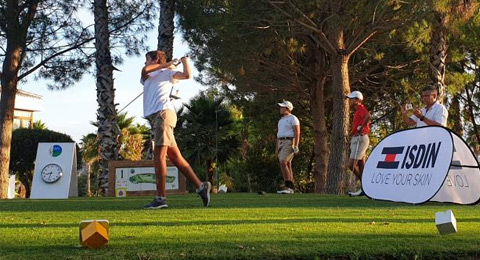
(416, 156)
(55, 150)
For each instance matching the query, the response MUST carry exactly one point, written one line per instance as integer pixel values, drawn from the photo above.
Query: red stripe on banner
(390, 157)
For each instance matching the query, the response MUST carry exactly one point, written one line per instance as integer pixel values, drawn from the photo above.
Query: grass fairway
(238, 226)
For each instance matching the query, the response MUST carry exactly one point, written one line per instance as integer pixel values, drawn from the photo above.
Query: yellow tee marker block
(94, 233)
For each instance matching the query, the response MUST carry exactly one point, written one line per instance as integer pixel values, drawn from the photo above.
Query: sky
(70, 111)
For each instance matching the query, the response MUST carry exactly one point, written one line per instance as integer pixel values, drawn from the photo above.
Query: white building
(26, 103)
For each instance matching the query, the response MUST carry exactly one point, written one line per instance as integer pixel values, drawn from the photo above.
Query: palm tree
(132, 140)
(445, 16)
(106, 113)
(39, 125)
(89, 149)
(166, 26)
(209, 131)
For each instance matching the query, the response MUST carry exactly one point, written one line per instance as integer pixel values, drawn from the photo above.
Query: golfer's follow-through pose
(158, 78)
(360, 141)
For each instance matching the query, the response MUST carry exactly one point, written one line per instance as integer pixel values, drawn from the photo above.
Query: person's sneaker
(204, 193)
(157, 203)
(356, 193)
(285, 191)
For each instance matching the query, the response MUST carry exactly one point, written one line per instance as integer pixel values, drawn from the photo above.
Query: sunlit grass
(238, 226)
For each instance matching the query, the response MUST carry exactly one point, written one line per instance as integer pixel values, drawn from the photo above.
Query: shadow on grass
(367, 221)
(336, 246)
(226, 201)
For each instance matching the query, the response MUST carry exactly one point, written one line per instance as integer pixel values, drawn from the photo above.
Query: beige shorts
(285, 150)
(358, 146)
(163, 123)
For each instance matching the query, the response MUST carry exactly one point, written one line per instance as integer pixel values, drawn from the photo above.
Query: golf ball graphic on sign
(55, 150)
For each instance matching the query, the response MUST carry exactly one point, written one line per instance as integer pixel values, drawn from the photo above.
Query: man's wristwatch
(422, 118)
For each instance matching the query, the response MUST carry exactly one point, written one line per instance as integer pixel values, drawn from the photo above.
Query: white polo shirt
(437, 113)
(285, 126)
(156, 91)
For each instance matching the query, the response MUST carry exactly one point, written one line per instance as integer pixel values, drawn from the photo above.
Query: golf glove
(295, 150)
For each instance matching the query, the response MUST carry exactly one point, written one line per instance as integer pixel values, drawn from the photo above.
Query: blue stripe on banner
(393, 150)
(388, 165)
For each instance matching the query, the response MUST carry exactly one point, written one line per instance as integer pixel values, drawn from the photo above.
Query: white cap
(286, 104)
(355, 94)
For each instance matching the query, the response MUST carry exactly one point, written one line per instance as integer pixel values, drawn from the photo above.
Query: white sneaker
(356, 193)
(285, 191)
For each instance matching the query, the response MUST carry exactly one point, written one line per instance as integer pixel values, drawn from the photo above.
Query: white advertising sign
(55, 174)
(143, 179)
(409, 166)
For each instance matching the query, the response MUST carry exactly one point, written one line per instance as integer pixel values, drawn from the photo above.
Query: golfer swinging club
(158, 79)
(360, 141)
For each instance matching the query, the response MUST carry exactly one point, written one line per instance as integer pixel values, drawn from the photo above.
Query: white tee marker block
(446, 222)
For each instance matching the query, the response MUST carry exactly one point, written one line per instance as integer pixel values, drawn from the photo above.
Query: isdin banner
(421, 164)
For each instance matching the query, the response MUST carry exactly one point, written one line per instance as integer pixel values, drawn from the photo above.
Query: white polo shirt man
(437, 113)
(433, 114)
(288, 138)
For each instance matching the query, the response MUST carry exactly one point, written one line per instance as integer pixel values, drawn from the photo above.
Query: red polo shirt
(358, 118)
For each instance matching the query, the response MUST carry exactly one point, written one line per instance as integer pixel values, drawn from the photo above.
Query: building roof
(28, 101)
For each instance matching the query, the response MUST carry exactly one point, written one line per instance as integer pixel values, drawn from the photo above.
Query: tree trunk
(18, 19)
(320, 134)
(438, 55)
(455, 115)
(89, 190)
(7, 104)
(106, 114)
(340, 112)
(166, 27)
(340, 121)
(210, 171)
(470, 106)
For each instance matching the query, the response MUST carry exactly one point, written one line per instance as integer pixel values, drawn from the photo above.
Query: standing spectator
(433, 113)
(158, 79)
(288, 138)
(360, 141)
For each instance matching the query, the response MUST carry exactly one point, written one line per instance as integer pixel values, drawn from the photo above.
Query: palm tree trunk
(470, 106)
(460, 10)
(455, 115)
(106, 114)
(438, 55)
(166, 27)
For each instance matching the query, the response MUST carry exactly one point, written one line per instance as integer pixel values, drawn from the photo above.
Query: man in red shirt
(360, 140)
